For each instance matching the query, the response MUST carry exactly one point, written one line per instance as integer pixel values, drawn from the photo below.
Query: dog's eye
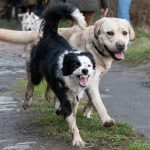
(75, 65)
(124, 32)
(110, 33)
(89, 65)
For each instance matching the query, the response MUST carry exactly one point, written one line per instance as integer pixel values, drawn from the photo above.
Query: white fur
(77, 140)
(77, 15)
(30, 22)
(61, 58)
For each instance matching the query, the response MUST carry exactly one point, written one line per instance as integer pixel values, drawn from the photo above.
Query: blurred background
(12, 10)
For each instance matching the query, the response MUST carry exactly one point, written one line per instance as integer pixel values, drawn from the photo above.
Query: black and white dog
(67, 71)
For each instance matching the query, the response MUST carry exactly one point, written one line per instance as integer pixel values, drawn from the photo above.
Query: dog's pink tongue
(83, 80)
(119, 55)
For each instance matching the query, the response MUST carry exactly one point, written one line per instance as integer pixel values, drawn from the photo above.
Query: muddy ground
(126, 94)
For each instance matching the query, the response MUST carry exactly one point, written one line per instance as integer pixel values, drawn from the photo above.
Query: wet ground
(126, 94)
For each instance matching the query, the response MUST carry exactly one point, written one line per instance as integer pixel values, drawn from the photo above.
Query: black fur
(53, 14)
(45, 56)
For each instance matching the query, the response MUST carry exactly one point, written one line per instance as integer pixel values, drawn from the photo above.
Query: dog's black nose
(29, 29)
(85, 71)
(120, 46)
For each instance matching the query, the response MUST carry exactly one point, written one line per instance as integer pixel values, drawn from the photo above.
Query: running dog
(68, 72)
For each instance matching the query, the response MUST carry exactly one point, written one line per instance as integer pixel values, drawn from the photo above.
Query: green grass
(139, 50)
(47, 123)
(9, 25)
(139, 145)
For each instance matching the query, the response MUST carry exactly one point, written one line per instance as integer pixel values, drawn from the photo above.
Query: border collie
(67, 71)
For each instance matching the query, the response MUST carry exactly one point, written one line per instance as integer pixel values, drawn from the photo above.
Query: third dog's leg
(29, 91)
(48, 93)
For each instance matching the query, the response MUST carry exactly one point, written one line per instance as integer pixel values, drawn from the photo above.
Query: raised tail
(62, 11)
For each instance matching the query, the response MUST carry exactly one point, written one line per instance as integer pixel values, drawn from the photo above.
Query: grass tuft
(139, 145)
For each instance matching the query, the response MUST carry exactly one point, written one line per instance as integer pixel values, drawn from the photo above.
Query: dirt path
(125, 93)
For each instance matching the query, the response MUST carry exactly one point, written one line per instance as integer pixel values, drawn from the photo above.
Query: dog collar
(97, 49)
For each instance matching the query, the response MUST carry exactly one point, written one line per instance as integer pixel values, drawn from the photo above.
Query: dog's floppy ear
(70, 63)
(97, 26)
(131, 33)
(67, 70)
(65, 66)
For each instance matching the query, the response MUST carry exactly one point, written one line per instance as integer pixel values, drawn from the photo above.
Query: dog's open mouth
(119, 55)
(82, 80)
(115, 55)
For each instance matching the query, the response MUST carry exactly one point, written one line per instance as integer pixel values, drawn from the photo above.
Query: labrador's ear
(131, 33)
(97, 26)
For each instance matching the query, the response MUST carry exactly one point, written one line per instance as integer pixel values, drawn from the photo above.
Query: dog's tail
(53, 14)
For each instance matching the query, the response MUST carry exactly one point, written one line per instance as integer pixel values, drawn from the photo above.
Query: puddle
(12, 61)
(5, 72)
(20, 146)
(7, 104)
(146, 84)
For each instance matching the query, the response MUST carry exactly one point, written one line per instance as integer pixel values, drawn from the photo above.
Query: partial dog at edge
(30, 22)
(107, 40)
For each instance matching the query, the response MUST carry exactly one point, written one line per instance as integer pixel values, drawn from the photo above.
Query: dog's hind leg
(29, 90)
(57, 106)
(48, 93)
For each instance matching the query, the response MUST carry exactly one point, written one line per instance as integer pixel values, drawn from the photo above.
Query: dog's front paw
(77, 141)
(109, 123)
(25, 105)
(88, 114)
